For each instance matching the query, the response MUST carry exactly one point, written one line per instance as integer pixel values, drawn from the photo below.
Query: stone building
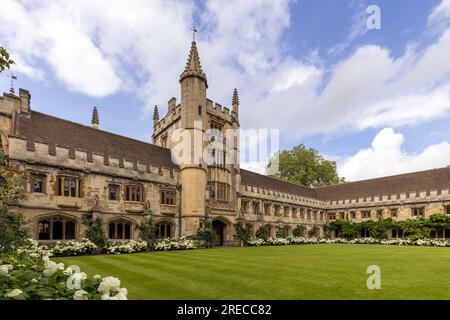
(69, 170)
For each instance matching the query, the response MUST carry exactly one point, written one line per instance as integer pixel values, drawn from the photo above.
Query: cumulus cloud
(103, 47)
(440, 12)
(385, 157)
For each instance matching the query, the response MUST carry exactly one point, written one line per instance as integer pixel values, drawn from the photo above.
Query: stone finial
(193, 66)
(235, 101)
(156, 113)
(95, 118)
(155, 117)
(235, 97)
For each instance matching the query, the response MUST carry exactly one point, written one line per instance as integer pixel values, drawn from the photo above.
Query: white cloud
(385, 157)
(54, 32)
(440, 12)
(102, 47)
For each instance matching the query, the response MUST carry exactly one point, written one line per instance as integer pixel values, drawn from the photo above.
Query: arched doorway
(219, 228)
(56, 227)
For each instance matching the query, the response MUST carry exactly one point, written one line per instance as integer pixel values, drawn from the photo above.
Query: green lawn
(291, 272)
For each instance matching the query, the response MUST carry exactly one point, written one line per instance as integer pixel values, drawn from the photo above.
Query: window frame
(65, 187)
(167, 198)
(43, 181)
(131, 194)
(117, 192)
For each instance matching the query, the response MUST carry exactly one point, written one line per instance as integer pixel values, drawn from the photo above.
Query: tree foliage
(147, 231)
(263, 233)
(303, 166)
(412, 228)
(94, 231)
(299, 231)
(5, 60)
(313, 232)
(206, 233)
(12, 232)
(242, 232)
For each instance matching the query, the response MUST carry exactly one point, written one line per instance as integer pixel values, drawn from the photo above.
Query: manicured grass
(292, 272)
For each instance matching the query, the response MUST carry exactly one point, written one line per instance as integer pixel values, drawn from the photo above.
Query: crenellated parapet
(83, 160)
(215, 109)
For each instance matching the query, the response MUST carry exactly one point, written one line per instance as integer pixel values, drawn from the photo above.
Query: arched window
(164, 230)
(56, 228)
(119, 230)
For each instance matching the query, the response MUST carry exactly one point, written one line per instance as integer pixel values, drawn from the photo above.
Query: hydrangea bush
(125, 246)
(174, 244)
(31, 274)
(304, 240)
(73, 248)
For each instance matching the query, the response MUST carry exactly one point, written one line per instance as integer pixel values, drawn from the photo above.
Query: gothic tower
(193, 123)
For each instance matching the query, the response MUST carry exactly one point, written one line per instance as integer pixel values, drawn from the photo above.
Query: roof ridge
(385, 177)
(100, 130)
(279, 179)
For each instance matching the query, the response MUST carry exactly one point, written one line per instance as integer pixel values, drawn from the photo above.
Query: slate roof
(54, 131)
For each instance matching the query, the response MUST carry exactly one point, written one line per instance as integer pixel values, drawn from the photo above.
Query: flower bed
(303, 241)
(126, 246)
(30, 274)
(72, 248)
(174, 244)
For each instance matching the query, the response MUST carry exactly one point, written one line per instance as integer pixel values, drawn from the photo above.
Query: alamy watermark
(197, 146)
(374, 280)
(374, 20)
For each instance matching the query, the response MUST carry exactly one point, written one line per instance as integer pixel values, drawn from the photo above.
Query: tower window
(200, 110)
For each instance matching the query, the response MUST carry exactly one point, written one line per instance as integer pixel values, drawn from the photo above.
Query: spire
(235, 101)
(235, 97)
(95, 119)
(155, 117)
(193, 67)
(156, 113)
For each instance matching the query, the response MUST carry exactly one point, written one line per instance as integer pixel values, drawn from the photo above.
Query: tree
(12, 233)
(206, 233)
(299, 231)
(94, 231)
(314, 232)
(148, 231)
(5, 60)
(281, 233)
(242, 232)
(303, 166)
(263, 233)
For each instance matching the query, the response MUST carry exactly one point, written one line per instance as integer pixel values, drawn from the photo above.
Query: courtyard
(335, 271)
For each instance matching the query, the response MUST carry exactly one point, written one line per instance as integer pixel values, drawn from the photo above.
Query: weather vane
(193, 33)
(13, 77)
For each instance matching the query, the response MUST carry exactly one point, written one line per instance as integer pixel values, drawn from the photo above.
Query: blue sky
(376, 101)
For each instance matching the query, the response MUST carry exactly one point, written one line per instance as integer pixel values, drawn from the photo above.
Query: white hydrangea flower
(109, 284)
(4, 270)
(122, 295)
(97, 277)
(68, 271)
(14, 293)
(80, 295)
(105, 296)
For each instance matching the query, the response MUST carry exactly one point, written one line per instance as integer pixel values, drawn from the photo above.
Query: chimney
(25, 98)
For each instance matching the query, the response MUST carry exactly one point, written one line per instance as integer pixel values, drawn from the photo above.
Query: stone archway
(219, 228)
